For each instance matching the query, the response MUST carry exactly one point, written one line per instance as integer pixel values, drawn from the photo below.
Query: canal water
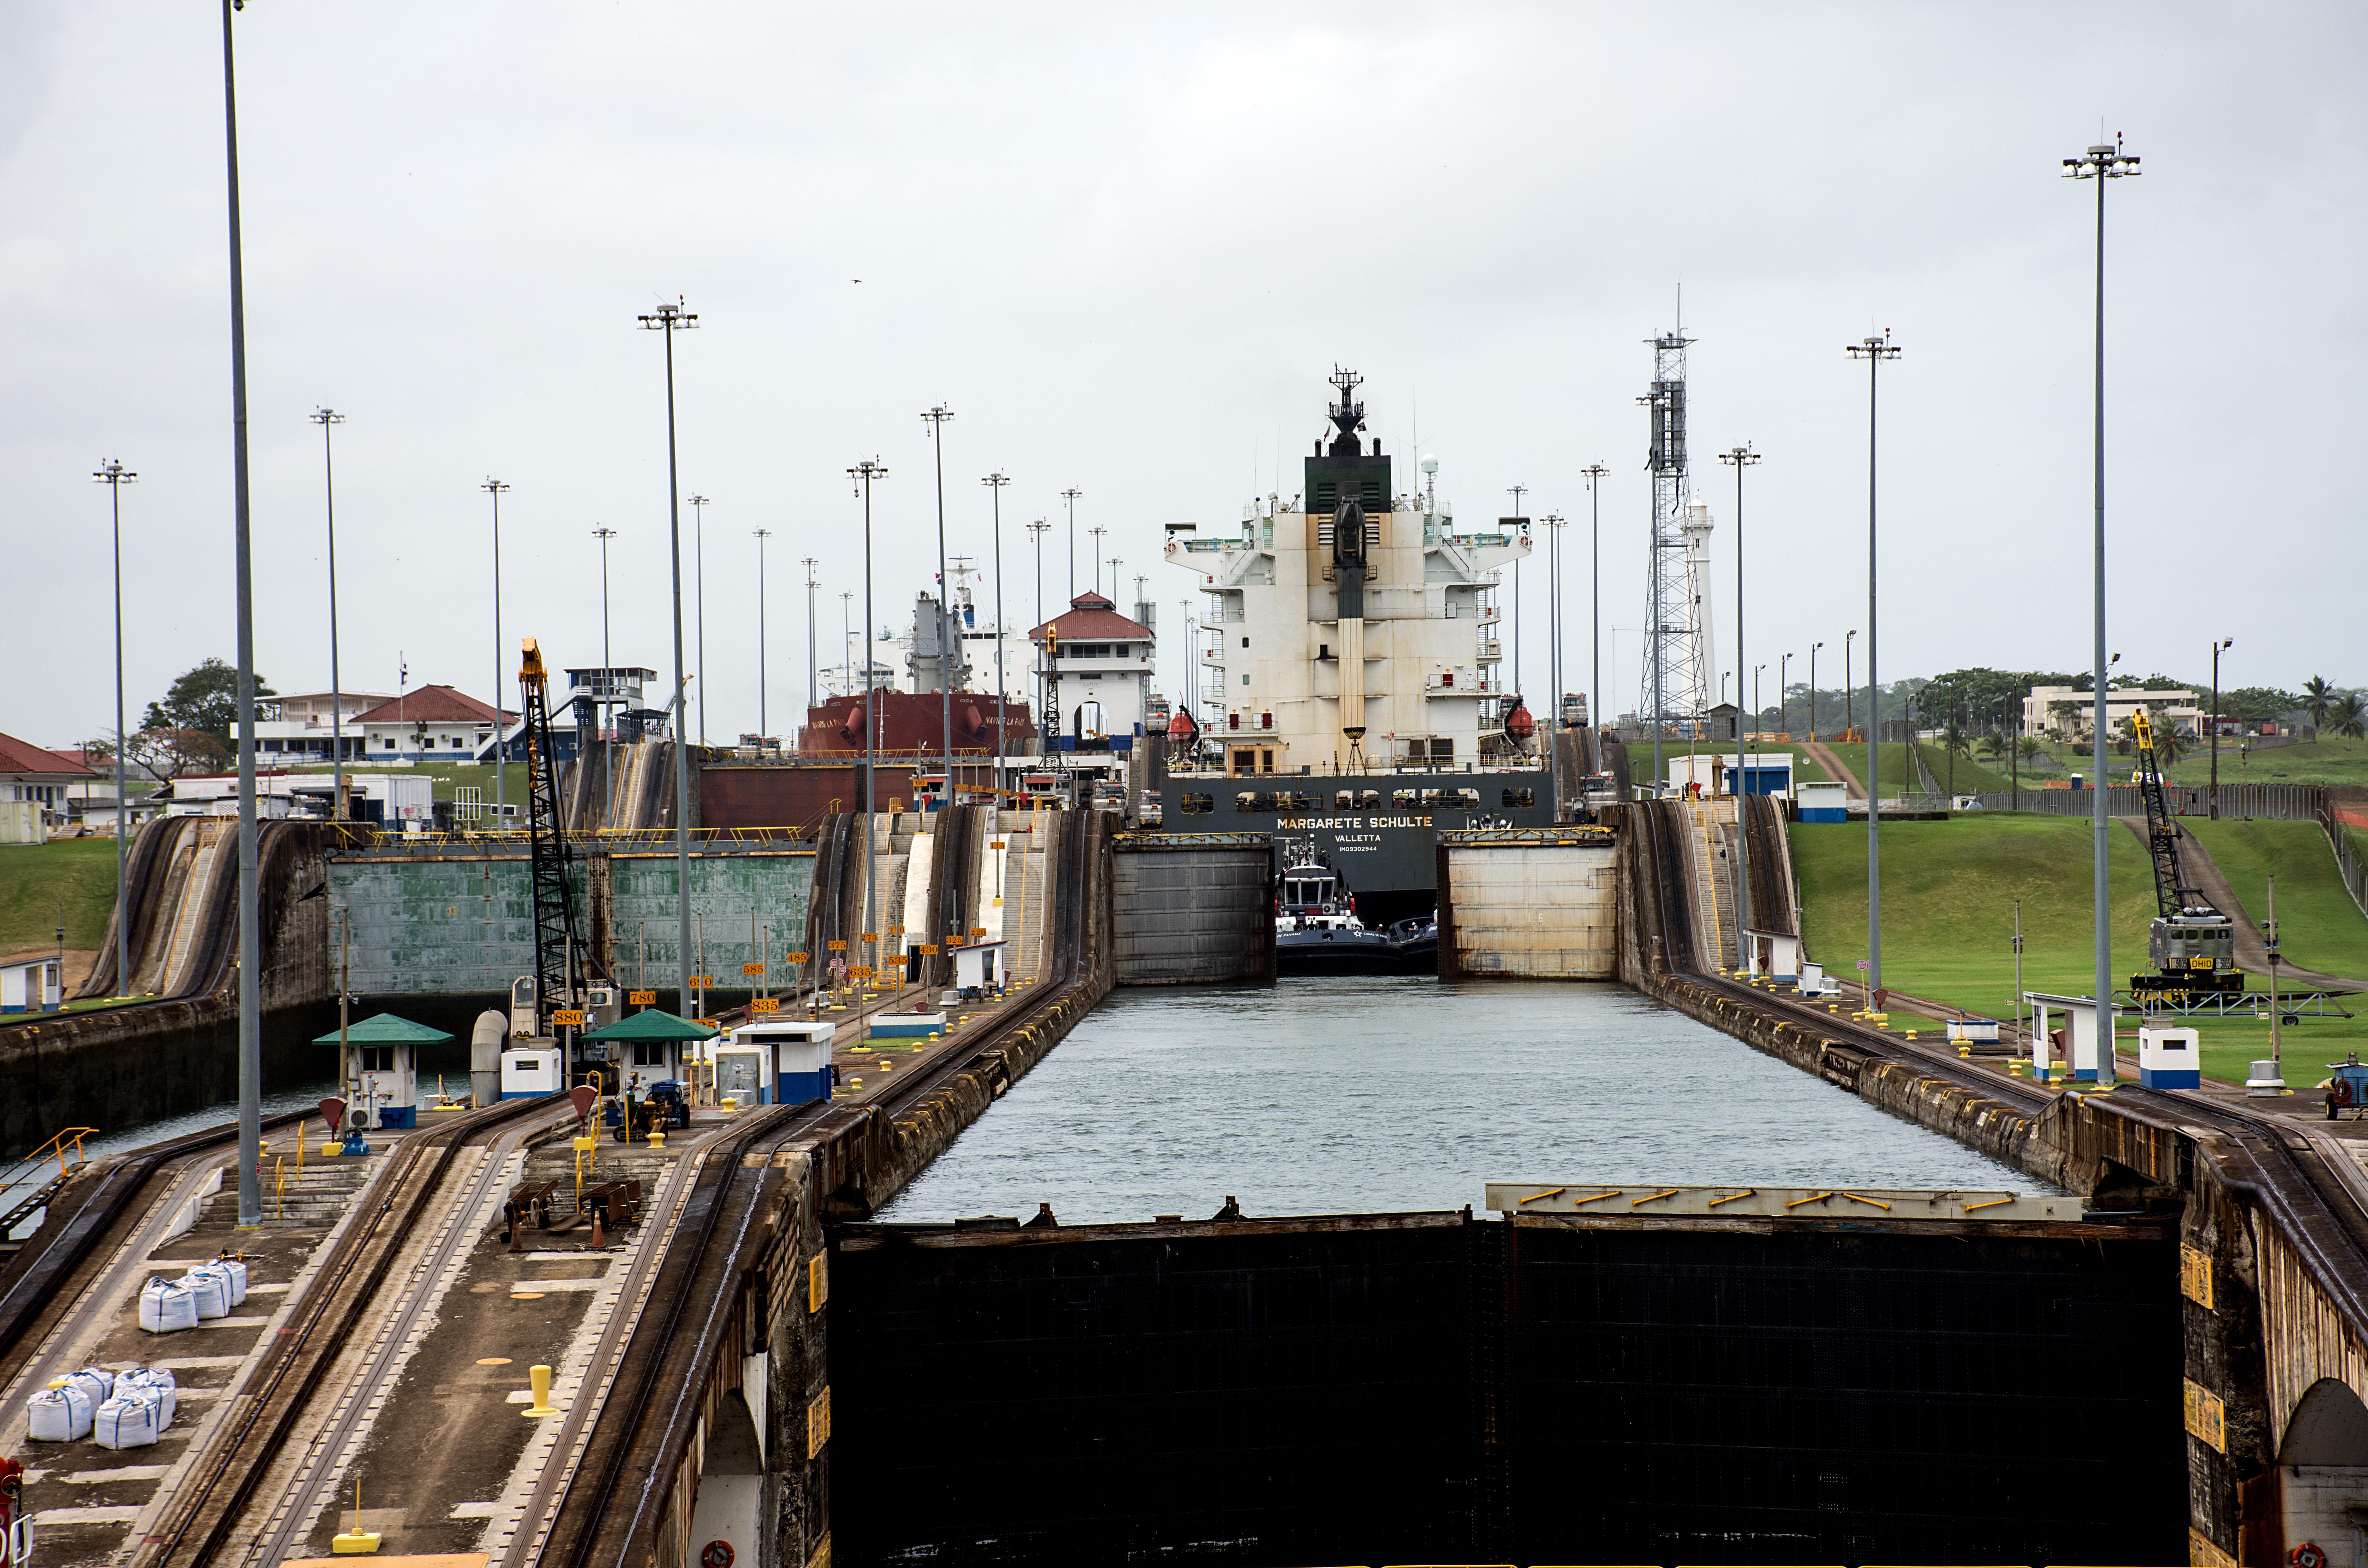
(1367, 1095)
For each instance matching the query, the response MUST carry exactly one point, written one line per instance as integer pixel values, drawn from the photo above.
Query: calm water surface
(1355, 1095)
(121, 1141)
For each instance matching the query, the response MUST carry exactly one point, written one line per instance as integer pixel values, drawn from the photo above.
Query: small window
(378, 1058)
(1246, 642)
(1265, 761)
(1520, 797)
(649, 1053)
(1443, 751)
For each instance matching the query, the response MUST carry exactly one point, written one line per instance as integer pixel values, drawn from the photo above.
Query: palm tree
(2318, 699)
(2349, 714)
(1994, 745)
(2167, 745)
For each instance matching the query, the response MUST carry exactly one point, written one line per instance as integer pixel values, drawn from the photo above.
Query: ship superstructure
(1349, 667)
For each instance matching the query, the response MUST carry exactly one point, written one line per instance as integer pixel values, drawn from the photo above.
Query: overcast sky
(1125, 245)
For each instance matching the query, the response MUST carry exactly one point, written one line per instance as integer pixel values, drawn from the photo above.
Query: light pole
(670, 319)
(1517, 492)
(698, 504)
(115, 476)
(250, 919)
(1594, 472)
(1813, 688)
(814, 693)
(1738, 458)
(846, 633)
(494, 487)
(2101, 163)
(1783, 684)
(937, 417)
(1039, 529)
(324, 418)
(994, 483)
(1070, 496)
(1849, 712)
(1553, 659)
(864, 472)
(607, 683)
(1097, 533)
(1874, 351)
(763, 712)
(2217, 649)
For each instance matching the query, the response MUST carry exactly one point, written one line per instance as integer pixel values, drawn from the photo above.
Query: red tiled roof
(80, 756)
(24, 756)
(1092, 619)
(433, 705)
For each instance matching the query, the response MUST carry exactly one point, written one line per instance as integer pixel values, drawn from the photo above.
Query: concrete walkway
(2252, 953)
(1825, 757)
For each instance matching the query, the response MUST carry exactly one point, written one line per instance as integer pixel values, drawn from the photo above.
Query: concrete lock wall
(1528, 912)
(1191, 915)
(464, 925)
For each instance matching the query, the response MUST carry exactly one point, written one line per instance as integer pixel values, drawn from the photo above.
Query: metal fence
(2336, 819)
(2278, 802)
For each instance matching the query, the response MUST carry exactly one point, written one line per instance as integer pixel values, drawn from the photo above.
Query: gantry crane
(2193, 942)
(558, 956)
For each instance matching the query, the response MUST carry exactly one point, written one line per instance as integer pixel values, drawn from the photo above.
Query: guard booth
(2071, 1040)
(531, 1069)
(1774, 954)
(31, 986)
(978, 966)
(648, 1048)
(786, 1061)
(2169, 1055)
(383, 1081)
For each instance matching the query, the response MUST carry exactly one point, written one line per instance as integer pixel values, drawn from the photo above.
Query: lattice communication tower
(1676, 669)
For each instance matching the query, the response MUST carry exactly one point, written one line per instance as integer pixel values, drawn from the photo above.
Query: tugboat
(1316, 926)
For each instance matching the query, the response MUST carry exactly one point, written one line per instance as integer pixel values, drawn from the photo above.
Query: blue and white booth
(531, 1069)
(380, 1070)
(31, 985)
(978, 966)
(2079, 1015)
(907, 1026)
(2169, 1056)
(1822, 799)
(1773, 954)
(783, 1062)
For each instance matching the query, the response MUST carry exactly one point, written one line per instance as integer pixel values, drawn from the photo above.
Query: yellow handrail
(69, 1140)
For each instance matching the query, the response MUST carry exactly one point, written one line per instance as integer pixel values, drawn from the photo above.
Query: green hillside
(42, 885)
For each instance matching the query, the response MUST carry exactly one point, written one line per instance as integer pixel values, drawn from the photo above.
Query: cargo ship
(1350, 691)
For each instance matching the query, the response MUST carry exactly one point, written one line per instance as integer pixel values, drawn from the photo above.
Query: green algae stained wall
(465, 927)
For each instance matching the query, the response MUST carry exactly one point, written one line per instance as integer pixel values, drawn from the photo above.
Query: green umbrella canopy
(651, 1023)
(386, 1030)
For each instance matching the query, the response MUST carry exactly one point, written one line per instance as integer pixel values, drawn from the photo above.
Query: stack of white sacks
(209, 1290)
(117, 1410)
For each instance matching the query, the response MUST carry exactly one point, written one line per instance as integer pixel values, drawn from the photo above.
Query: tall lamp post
(1039, 528)
(2101, 163)
(813, 678)
(863, 474)
(764, 722)
(326, 418)
(1553, 660)
(1516, 492)
(494, 487)
(1594, 472)
(115, 476)
(1813, 688)
(1070, 496)
(669, 320)
(1738, 458)
(698, 504)
(994, 483)
(1097, 562)
(1783, 702)
(250, 917)
(2217, 649)
(1874, 351)
(1850, 702)
(936, 418)
(607, 688)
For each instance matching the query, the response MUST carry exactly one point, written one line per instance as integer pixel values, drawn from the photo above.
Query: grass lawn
(2321, 927)
(1972, 776)
(1948, 917)
(2330, 760)
(42, 885)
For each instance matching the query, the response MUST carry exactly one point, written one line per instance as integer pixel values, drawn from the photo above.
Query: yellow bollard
(357, 1539)
(657, 1139)
(855, 1083)
(540, 1376)
(1965, 1052)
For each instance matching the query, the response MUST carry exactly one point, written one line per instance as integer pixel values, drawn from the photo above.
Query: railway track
(614, 1499)
(2313, 1189)
(208, 1508)
(68, 1270)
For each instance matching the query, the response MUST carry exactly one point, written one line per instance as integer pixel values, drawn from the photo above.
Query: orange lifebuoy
(2341, 1094)
(2309, 1554)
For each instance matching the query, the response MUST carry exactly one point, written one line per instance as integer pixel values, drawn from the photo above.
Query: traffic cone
(598, 1241)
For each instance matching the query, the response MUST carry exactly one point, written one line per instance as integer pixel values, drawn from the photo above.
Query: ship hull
(1386, 855)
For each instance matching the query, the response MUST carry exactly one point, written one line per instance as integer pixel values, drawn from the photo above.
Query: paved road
(2252, 953)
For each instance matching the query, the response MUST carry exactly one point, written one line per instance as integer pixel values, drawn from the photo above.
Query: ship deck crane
(2193, 942)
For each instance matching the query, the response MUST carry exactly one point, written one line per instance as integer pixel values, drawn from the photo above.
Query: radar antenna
(1348, 414)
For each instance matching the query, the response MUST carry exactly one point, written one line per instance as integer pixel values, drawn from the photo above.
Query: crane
(558, 956)
(2193, 942)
